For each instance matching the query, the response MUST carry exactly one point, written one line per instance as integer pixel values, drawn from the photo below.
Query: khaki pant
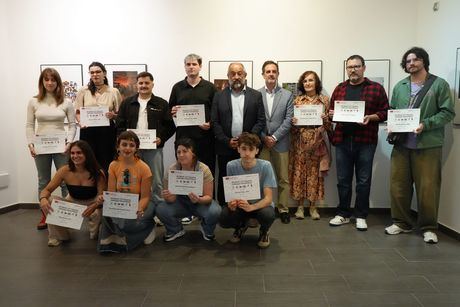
(422, 168)
(280, 163)
(63, 233)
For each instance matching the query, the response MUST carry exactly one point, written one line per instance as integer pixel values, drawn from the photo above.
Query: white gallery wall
(160, 33)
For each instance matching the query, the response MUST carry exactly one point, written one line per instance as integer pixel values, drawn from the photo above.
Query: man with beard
(146, 111)
(417, 159)
(355, 143)
(236, 109)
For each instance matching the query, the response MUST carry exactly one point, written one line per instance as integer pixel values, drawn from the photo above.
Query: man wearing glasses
(418, 159)
(356, 142)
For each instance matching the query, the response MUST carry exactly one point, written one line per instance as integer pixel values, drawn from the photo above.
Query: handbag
(398, 138)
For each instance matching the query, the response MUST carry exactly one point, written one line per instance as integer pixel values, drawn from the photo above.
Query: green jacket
(436, 110)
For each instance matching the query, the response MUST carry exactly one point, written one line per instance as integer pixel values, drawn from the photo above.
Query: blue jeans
(154, 159)
(170, 214)
(43, 164)
(358, 157)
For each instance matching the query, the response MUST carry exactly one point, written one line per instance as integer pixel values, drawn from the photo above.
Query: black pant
(238, 218)
(103, 142)
(222, 161)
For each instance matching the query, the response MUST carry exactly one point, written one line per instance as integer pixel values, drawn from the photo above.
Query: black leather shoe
(285, 217)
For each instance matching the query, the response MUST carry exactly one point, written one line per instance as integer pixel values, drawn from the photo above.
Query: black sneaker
(174, 236)
(264, 240)
(238, 234)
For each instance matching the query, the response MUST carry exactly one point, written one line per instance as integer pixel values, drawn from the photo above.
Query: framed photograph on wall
(291, 70)
(457, 89)
(377, 70)
(217, 72)
(71, 76)
(123, 77)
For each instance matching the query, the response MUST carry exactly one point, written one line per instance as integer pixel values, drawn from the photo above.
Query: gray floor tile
(445, 283)
(389, 283)
(201, 298)
(353, 299)
(439, 300)
(425, 268)
(244, 283)
(251, 299)
(311, 284)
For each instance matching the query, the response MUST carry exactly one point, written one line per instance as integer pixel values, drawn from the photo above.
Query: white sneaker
(395, 230)
(339, 220)
(430, 237)
(150, 238)
(157, 221)
(187, 220)
(361, 224)
(53, 242)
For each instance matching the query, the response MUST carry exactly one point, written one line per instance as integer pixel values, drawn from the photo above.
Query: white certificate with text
(147, 137)
(403, 120)
(308, 114)
(183, 182)
(94, 116)
(49, 143)
(245, 187)
(66, 214)
(121, 205)
(349, 111)
(190, 115)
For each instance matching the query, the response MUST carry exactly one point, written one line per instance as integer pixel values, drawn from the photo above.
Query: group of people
(249, 132)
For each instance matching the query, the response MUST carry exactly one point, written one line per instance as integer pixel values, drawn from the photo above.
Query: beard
(236, 85)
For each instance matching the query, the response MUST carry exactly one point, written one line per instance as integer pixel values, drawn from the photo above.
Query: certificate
(308, 115)
(184, 182)
(349, 111)
(147, 137)
(66, 214)
(190, 115)
(121, 205)
(245, 187)
(49, 143)
(403, 120)
(94, 116)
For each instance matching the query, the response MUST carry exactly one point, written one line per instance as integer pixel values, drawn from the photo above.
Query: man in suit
(275, 137)
(236, 109)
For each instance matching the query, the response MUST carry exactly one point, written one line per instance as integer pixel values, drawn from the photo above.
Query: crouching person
(176, 207)
(238, 211)
(85, 182)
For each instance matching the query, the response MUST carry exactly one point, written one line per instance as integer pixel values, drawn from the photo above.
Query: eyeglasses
(351, 67)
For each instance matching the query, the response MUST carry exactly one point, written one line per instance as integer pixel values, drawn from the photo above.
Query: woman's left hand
(193, 197)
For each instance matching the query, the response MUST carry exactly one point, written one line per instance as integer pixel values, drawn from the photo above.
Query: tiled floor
(307, 264)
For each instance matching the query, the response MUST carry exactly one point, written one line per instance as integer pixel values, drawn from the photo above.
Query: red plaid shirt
(376, 103)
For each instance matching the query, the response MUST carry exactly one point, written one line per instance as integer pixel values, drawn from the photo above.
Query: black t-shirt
(184, 94)
(353, 93)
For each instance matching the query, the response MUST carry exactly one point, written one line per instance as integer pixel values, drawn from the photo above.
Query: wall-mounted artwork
(71, 76)
(457, 89)
(376, 70)
(217, 73)
(123, 77)
(291, 70)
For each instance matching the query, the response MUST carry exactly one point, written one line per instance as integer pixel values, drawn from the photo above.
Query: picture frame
(124, 77)
(217, 72)
(291, 70)
(71, 76)
(377, 70)
(456, 120)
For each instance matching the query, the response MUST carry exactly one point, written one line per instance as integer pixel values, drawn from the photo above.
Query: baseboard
(329, 210)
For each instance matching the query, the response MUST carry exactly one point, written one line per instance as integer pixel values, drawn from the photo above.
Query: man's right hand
(233, 143)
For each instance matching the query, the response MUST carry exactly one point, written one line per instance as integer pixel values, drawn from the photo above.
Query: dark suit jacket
(222, 115)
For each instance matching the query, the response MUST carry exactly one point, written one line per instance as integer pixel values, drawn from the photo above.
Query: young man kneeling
(239, 211)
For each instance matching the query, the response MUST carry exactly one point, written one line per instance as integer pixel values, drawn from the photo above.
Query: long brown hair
(91, 164)
(58, 93)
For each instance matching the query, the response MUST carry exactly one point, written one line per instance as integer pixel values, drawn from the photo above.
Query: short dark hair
(270, 62)
(318, 83)
(144, 74)
(249, 139)
(129, 136)
(420, 53)
(189, 144)
(356, 57)
(91, 164)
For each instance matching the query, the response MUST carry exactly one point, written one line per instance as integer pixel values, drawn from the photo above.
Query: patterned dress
(309, 157)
